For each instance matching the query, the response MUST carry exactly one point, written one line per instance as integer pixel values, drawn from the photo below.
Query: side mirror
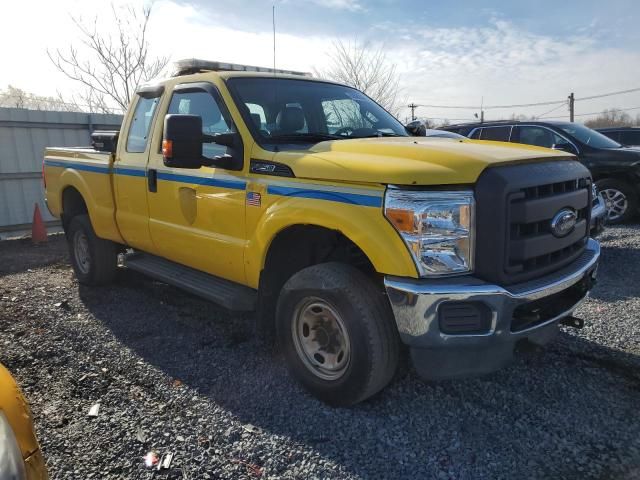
(565, 147)
(416, 129)
(182, 141)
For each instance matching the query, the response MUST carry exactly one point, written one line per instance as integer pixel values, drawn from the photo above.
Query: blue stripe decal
(130, 172)
(351, 198)
(331, 196)
(213, 182)
(77, 166)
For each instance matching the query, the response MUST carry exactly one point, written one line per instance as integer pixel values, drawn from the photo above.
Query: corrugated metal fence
(24, 134)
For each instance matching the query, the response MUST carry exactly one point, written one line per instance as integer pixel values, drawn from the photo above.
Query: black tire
(373, 340)
(612, 185)
(102, 254)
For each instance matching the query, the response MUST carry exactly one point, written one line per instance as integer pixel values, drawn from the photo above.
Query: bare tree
(14, 97)
(365, 67)
(611, 118)
(110, 66)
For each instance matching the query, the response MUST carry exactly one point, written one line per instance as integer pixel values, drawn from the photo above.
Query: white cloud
(349, 5)
(506, 65)
(498, 61)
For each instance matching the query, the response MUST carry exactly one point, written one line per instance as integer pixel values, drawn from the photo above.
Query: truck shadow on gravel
(555, 409)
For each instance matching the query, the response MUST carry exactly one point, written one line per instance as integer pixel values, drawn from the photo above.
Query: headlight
(11, 461)
(437, 226)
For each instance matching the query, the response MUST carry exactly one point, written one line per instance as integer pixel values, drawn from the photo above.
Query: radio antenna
(273, 18)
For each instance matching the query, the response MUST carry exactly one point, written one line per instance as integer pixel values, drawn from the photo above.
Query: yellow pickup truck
(307, 203)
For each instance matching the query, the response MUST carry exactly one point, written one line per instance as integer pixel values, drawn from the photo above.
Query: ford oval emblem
(564, 222)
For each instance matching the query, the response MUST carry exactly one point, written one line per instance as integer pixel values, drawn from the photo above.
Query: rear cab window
(138, 135)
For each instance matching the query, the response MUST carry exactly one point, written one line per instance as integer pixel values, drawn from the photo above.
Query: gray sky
(448, 53)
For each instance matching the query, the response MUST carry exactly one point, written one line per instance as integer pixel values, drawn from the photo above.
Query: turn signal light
(167, 148)
(401, 219)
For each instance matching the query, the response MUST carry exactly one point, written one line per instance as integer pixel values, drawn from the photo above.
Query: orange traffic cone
(38, 230)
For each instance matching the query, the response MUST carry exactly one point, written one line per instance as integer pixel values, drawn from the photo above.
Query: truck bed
(68, 171)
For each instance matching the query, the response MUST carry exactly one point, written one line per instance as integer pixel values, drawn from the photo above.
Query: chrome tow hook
(573, 322)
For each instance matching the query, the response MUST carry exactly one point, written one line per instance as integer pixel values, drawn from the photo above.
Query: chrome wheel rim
(81, 251)
(615, 202)
(321, 339)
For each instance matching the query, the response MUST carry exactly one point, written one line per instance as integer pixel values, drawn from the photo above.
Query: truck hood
(408, 160)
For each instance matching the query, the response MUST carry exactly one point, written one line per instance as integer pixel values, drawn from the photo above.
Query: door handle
(152, 179)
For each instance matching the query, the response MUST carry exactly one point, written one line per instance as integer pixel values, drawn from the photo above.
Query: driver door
(196, 216)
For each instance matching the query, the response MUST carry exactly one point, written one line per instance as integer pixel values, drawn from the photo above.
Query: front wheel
(94, 260)
(620, 199)
(337, 333)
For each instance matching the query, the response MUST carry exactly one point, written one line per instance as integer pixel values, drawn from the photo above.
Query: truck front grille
(516, 205)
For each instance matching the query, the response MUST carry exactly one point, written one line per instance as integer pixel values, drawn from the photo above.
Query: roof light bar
(195, 65)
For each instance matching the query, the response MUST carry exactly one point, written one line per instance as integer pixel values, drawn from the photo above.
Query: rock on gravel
(176, 375)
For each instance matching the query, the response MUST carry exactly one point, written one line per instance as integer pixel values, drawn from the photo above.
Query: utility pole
(572, 101)
(413, 107)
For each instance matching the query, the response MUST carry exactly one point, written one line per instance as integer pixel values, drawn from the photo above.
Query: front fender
(365, 226)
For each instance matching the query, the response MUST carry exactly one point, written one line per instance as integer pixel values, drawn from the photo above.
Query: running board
(230, 295)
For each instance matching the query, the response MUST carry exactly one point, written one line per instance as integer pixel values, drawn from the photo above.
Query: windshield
(301, 111)
(589, 137)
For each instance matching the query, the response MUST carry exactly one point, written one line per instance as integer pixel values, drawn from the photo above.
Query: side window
(630, 138)
(204, 105)
(498, 134)
(476, 134)
(540, 137)
(345, 113)
(139, 129)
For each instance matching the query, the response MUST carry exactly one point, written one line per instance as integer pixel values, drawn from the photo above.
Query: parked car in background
(615, 169)
(20, 455)
(629, 136)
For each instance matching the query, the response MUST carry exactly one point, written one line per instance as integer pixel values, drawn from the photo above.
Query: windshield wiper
(380, 134)
(306, 137)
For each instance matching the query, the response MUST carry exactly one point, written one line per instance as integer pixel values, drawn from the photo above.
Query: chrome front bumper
(416, 305)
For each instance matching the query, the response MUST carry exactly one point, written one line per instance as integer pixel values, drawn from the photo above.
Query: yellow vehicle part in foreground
(15, 408)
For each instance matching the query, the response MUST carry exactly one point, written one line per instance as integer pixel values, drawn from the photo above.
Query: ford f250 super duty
(307, 203)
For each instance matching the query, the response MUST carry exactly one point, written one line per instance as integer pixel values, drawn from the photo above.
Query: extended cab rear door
(197, 215)
(130, 170)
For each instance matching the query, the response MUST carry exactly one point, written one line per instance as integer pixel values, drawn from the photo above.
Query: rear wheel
(337, 333)
(621, 201)
(94, 260)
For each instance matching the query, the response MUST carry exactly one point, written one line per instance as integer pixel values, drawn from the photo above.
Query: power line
(611, 94)
(552, 110)
(526, 105)
(596, 113)
(487, 107)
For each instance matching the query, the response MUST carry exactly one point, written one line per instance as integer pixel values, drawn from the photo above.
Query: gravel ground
(176, 374)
